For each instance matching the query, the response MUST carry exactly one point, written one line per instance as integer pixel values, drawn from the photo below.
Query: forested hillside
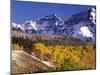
(66, 53)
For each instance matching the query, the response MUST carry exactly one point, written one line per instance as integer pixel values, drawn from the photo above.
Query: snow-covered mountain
(17, 27)
(81, 25)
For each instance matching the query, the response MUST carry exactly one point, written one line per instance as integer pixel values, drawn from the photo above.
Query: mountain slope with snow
(82, 26)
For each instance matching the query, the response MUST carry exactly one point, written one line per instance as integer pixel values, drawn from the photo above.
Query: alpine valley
(50, 44)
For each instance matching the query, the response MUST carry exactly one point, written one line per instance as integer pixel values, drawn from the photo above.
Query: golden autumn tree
(40, 49)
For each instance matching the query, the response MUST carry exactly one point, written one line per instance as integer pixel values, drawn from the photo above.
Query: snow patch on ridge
(33, 24)
(85, 32)
(93, 14)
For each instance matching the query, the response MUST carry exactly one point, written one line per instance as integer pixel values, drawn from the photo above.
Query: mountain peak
(30, 24)
(93, 15)
(92, 9)
(52, 17)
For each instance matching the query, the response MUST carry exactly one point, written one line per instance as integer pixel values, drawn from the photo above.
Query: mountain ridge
(81, 25)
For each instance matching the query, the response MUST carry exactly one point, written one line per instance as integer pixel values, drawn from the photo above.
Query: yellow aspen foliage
(40, 49)
(60, 58)
(16, 47)
(59, 53)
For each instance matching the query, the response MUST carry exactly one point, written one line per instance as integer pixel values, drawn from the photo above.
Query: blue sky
(22, 11)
